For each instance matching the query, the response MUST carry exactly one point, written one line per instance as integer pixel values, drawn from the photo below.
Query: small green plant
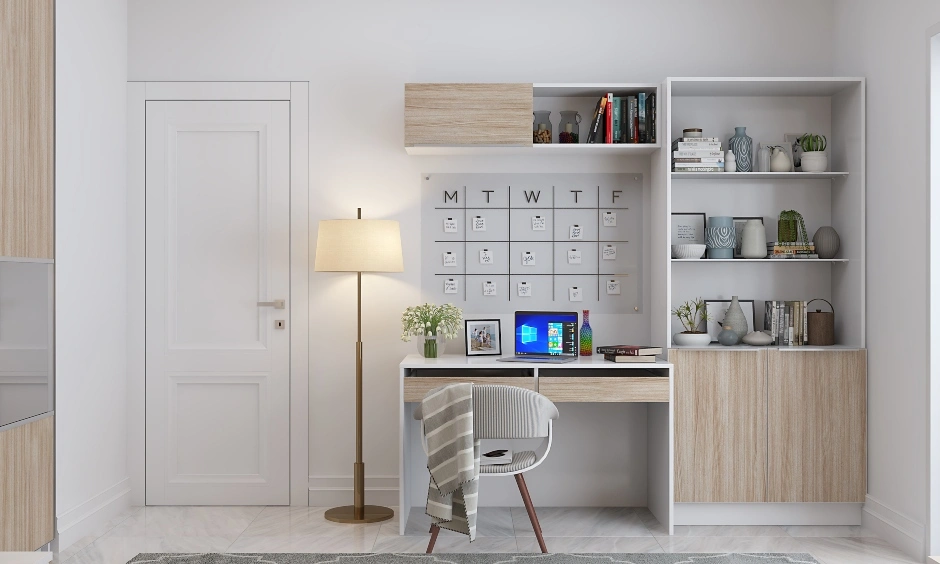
(691, 314)
(791, 227)
(812, 142)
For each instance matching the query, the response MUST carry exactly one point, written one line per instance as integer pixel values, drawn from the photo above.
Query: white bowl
(688, 251)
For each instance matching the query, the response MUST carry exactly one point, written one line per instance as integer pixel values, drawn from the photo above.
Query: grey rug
(624, 558)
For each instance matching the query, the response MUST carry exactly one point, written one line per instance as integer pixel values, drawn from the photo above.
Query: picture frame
(688, 228)
(716, 310)
(739, 222)
(482, 337)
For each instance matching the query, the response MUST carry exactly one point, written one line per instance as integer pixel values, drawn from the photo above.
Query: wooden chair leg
(434, 531)
(520, 481)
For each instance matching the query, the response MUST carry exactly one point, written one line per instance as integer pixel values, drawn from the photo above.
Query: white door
(218, 250)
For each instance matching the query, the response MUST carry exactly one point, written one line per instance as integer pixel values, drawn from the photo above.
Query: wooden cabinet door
(26, 486)
(26, 128)
(468, 114)
(720, 425)
(817, 426)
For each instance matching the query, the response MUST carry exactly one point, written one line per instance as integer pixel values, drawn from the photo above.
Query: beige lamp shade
(358, 245)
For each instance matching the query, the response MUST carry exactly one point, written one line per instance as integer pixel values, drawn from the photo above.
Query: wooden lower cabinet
(720, 425)
(27, 513)
(816, 426)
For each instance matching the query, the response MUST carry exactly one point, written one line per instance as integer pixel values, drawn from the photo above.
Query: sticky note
(450, 286)
(609, 252)
(479, 223)
(575, 232)
(450, 225)
(610, 219)
(613, 287)
(574, 294)
(574, 256)
(524, 289)
(528, 259)
(450, 259)
(538, 223)
(489, 289)
(486, 257)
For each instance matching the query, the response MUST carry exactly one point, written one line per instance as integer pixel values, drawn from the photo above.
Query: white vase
(779, 161)
(763, 159)
(692, 339)
(814, 161)
(730, 165)
(754, 240)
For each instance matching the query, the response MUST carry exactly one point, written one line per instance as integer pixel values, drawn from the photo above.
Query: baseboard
(767, 514)
(84, 519)
(332, 491)
(905, 534)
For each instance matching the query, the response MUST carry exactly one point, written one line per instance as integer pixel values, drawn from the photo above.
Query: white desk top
(461, 361)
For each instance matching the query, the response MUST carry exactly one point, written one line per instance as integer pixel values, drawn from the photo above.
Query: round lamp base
(347, 514)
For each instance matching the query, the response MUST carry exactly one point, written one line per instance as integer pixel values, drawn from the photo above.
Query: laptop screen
(547, 333)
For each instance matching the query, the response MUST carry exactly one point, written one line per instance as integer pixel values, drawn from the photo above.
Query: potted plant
(813, 158)
(432, 324)
(791, 228)
(691, 315)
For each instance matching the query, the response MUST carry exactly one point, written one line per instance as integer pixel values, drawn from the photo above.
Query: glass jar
(568, 127)
(542, 127)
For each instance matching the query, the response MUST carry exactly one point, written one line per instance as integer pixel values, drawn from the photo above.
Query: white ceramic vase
(692, 339)
(730, 164)
(814, 161)
(754, 240)
(779, 161)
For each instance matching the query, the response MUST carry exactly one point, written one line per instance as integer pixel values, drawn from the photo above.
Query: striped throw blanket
(453, 458)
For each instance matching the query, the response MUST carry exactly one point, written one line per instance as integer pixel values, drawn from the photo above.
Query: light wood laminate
(605, 389)
(720, 425)
(468, 114)
(416, 387)
(27, 124)
(26, 486)
(817, 426)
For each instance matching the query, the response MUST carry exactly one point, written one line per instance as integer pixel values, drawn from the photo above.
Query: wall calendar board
(496, 243)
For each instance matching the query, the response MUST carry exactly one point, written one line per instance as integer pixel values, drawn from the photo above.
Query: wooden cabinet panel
(720, 425)
(605, 389)
(416, 387)
(27, 121)
(26, 486)
(817, 426)
(468, 114)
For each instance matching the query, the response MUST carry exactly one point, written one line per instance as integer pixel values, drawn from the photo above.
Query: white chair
(509, 412)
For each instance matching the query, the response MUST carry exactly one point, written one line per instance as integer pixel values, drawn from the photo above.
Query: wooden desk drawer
(609, 389)
(416, 387)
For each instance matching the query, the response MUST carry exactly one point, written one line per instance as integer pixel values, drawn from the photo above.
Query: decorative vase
(719, 237)
(754, 240)
(814, 161)
(692, 339)
(735, 319)
(730, 164)
(779, 161)
(763, 159)
(757, 339)
(728, 337)
(741, 145)
(827, 242)
(587, 335)
(431, 347)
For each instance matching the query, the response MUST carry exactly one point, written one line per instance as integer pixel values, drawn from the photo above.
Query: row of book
(786, 322)
(791, 250)
(630, 353)
(624, 119)
(697, 154)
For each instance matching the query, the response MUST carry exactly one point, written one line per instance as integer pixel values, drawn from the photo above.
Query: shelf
(582, 90)
(769, 86)
(761, 260)
(732, 176)
(553, 149)
(743, 347)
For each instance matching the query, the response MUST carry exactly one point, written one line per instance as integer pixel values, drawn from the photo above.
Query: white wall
(887, 43)
(91, 258)
(357, 57)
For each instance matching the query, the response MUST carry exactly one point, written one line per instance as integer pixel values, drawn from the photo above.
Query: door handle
(276, 304)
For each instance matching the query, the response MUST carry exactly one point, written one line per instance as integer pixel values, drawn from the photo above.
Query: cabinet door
(26, 486)
(26, 128)
(468, 114)
(816, 422)
(720, 425)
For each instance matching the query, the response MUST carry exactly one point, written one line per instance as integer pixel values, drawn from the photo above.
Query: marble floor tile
(727, 531)
(451, 544)
(491, 522)
(302, 522)
(853, 550)
(590, 544)
(118, 550)
(190, 521)
(581, 522)
(83, 542)
(355, 540)
(651, 522)
(731, 544)
(827, 531)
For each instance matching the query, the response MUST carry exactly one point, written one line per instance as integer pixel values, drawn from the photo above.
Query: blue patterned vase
(719, 237)
(741, 145)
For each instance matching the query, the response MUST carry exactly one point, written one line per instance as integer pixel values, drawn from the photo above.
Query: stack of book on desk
(630, 353)
(697, 154)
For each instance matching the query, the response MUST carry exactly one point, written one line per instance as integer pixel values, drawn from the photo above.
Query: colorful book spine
(805, 325)
(696, 146)
(598, 120)
(609, 119)
(631, 118)
(698, 154)
(651, 118)
(641, 108)
(701, 169)
(617, 109)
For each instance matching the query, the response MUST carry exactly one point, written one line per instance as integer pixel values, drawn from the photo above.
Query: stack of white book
(697, 154)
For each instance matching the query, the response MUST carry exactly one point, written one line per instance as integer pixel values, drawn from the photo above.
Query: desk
(586, 380)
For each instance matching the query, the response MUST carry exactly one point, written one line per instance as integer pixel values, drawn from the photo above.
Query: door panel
(218, 243)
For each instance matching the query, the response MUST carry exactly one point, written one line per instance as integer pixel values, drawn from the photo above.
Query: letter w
(530, 194)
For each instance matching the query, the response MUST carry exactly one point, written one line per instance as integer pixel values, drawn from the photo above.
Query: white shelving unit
(769, 108)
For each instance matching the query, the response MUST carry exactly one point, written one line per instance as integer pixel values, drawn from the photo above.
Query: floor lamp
(358, 245)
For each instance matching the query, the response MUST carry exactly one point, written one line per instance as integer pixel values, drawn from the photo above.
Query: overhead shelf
(738, 176)
(548, 149)
(769, 86)
(764, 260)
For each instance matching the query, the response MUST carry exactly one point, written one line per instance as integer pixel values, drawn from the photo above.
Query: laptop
(545, 336)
